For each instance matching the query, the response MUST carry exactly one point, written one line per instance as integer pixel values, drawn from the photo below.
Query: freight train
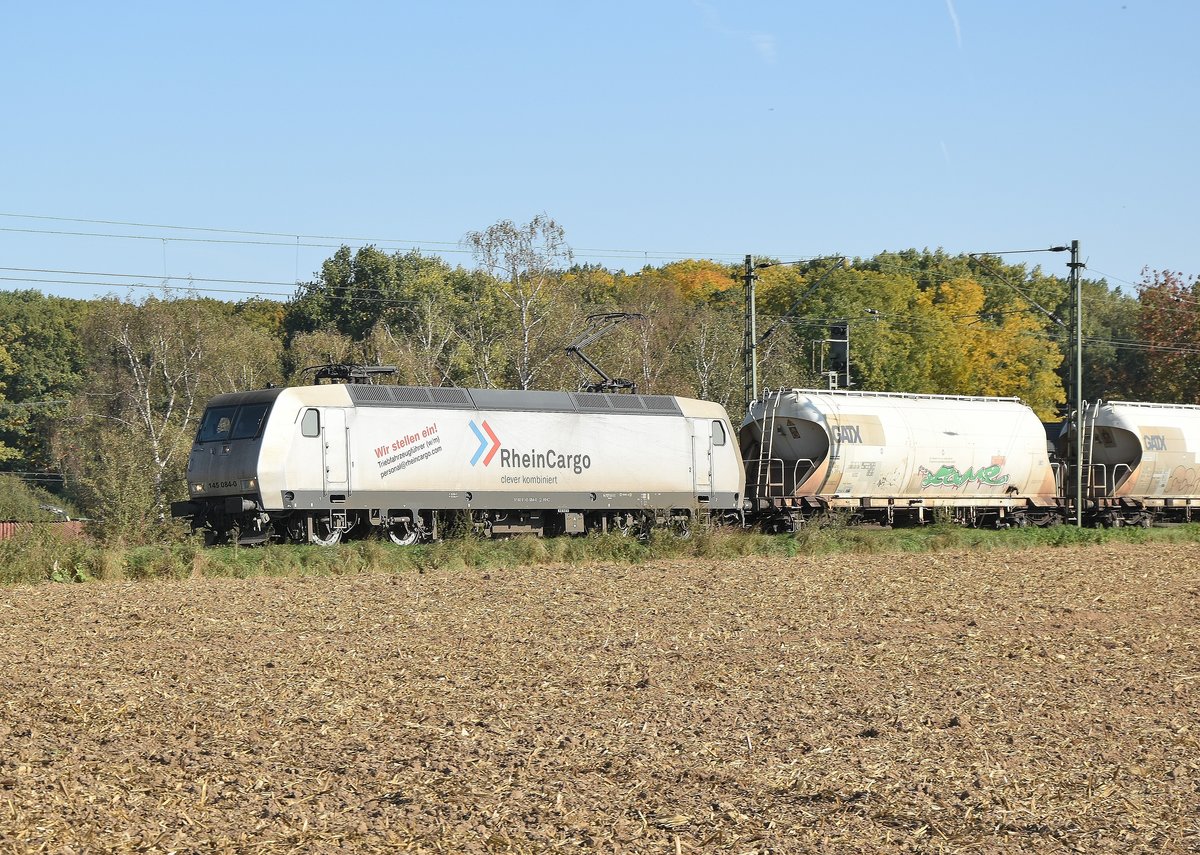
(314, 464)
(1140, 462)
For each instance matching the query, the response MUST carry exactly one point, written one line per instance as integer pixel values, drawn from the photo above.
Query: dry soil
(1041, 701)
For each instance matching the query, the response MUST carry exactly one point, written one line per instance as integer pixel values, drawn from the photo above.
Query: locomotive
(313, 464)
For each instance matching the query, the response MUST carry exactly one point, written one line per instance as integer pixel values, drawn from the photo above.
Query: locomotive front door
(335, 450)
(701, 457)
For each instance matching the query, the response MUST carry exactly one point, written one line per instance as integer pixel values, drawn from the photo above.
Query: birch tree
(152, 367)
(526, 262)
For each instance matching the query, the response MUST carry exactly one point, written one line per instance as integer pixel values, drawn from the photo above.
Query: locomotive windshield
(223, 423)
(249, 420)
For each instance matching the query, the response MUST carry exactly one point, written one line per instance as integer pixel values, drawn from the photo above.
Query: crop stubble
(1040, 701)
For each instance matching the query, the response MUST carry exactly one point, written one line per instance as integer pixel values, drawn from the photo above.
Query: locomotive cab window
(216, 425)
(310, 425)
(718, 433)
(249, 421)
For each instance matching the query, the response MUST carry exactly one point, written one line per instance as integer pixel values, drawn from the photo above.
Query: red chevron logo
(483, 443)
(495, 443)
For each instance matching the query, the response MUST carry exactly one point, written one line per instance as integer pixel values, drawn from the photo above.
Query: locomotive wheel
(403, 533)
(623, 524)
(681, 527)
(296, 529)
(321, 531)
(222, 536)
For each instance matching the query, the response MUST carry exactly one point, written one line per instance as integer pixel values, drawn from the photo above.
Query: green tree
(1114, 365)
(41, 367)
(349, 295)
(423, 335)
(310, 350)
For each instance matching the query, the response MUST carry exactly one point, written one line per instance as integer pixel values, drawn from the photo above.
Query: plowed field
(1041, 701)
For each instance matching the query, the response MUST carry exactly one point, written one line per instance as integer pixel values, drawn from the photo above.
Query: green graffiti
(949, 476)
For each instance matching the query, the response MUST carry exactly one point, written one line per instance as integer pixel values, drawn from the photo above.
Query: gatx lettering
(848, 433)
(1154, 442)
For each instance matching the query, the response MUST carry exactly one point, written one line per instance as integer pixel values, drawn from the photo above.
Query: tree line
(100, 398)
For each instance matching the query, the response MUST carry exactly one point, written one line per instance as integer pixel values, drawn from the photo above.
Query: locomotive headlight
(250, 484)
(197, 488)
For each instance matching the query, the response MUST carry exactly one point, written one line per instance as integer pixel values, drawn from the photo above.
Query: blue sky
(649, 130)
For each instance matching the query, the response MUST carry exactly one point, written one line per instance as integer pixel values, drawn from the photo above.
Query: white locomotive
(315, 463)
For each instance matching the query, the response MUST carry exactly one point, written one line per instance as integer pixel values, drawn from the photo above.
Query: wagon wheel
(322, 531)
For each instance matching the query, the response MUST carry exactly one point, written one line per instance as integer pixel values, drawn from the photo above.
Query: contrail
(954, 19)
